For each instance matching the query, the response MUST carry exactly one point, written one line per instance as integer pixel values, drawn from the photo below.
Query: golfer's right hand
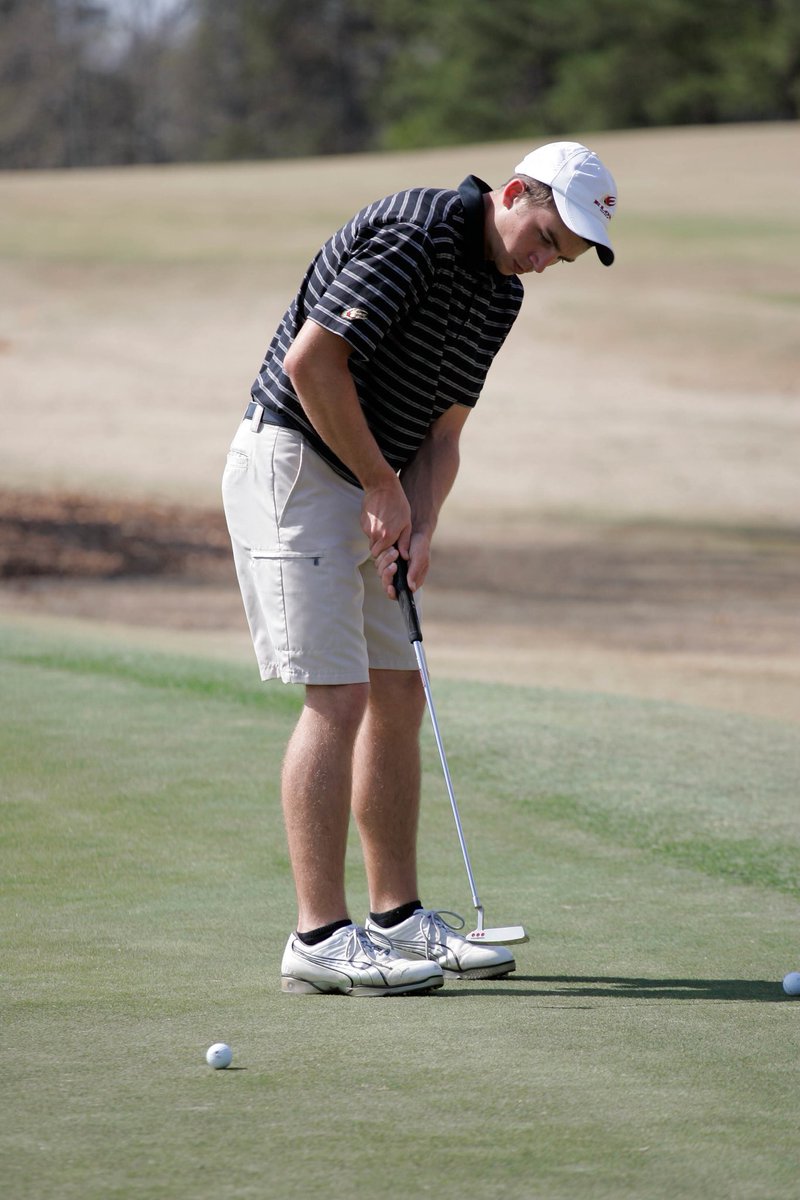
(386, 517)
(417, 564)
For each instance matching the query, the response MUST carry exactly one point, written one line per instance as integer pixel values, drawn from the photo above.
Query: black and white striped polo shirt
(406, 284)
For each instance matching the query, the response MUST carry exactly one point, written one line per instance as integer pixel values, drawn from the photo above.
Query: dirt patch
(697, 615)
(59, 538)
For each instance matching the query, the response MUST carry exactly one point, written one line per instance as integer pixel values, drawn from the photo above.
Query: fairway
(644, 1047)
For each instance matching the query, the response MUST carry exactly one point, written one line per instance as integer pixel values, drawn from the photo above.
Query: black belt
(268, 416)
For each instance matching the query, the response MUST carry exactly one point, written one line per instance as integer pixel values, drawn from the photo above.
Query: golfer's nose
(542, 259)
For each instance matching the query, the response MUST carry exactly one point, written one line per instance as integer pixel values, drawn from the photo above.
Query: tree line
(104, 82)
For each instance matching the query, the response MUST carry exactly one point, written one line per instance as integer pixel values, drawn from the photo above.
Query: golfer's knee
(341, 704)
(399, 694)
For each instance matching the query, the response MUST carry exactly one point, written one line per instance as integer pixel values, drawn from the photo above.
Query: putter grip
(405, 598)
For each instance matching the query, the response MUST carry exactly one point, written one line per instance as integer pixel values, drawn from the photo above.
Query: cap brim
(586, 225)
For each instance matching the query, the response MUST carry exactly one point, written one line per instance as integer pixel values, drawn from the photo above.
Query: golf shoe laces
(435, 928)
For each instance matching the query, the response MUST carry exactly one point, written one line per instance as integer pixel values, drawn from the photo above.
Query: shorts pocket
(279, 555)
(287, 464)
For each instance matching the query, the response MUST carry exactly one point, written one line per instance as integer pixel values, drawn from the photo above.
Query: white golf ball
(791, 983)
(219, 1056)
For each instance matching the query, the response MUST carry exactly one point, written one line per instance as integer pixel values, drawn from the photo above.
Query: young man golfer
(343, 461)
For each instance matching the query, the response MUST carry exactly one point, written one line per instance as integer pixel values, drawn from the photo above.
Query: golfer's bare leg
(316, 785)
(386, 786)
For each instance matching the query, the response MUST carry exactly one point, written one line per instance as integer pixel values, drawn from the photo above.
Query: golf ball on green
(219, 1056)
(791, 983)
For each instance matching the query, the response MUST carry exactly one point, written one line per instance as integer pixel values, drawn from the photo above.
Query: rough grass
(641, 1050)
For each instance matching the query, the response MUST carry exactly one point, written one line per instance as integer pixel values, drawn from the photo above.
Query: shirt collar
(472, 191)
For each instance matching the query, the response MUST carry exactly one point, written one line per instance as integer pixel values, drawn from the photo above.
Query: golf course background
(612, 630)
(626, 513)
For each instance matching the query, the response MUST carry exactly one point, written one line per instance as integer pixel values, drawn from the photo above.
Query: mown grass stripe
(743, 860)
(205, 679)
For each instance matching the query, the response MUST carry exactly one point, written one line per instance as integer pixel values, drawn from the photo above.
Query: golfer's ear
(512, 191)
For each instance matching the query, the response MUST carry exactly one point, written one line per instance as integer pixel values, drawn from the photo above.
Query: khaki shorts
(314, 603)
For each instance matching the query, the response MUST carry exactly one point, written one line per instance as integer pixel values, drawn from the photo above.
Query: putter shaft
(426, 683)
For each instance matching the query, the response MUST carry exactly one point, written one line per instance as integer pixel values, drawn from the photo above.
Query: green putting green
(644, 1048)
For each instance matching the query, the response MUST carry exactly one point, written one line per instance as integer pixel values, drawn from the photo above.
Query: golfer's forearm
(339, 421)
(326, 390)
(427, 481)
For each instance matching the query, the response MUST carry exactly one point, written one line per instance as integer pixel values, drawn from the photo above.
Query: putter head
(505, 935)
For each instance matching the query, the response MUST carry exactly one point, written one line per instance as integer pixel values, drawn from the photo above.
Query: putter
(504, 935)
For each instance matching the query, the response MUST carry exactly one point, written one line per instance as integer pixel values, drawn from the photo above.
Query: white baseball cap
(583, 190)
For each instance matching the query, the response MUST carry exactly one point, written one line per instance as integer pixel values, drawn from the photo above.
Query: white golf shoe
(425, 934)
(355, 963)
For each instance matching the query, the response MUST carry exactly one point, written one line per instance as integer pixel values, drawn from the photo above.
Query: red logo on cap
(604, 206)
(609, 201)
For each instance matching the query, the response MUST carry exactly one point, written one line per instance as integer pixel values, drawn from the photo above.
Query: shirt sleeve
(388, 273)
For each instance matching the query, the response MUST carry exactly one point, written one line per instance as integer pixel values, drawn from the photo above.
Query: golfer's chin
(508, 266)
